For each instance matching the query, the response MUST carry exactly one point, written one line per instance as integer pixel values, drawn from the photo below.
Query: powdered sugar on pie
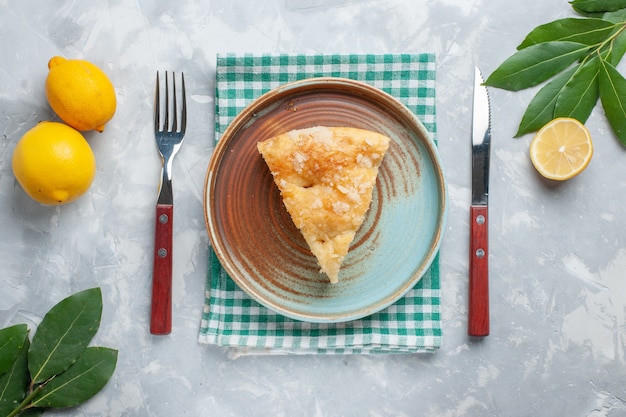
(326, 176)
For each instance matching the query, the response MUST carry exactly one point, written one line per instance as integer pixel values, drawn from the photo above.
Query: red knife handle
(478, 316)
(161, 315)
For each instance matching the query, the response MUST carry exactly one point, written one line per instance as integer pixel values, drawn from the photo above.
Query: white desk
(558, 253)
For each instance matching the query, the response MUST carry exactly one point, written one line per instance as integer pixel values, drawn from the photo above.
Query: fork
(169, 138)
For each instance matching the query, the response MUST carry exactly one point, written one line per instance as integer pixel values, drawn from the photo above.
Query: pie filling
(326, 176)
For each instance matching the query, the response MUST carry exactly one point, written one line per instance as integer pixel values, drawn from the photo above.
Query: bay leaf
(14, 382)
(540, 110)
(597, 15)
(580, 94)
(616, 49)
(585, 31)
(64, 333)
(32, 412)
(594, 6)
(84, 379)
(535, 64)
(618, 16)
(613, 97)
(11, 341)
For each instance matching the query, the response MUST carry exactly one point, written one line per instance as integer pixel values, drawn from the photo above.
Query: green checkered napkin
(230, 317)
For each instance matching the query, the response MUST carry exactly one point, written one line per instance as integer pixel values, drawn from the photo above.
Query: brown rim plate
(255, 239)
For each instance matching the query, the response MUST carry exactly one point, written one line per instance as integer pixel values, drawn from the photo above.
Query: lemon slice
(561, 149)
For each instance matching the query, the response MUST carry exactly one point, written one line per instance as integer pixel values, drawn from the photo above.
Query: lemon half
(561, 149)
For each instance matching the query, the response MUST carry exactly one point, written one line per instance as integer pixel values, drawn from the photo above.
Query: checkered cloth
(230, 317)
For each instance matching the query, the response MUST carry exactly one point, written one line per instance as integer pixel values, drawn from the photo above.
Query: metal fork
(169, 138)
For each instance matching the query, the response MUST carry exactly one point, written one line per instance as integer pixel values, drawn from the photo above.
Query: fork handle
(161, 315)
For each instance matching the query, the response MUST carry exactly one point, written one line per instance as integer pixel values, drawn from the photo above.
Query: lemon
(53, 163)
(80, 93)
(561, 149)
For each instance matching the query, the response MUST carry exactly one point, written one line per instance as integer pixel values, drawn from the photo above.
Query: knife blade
(478, 314)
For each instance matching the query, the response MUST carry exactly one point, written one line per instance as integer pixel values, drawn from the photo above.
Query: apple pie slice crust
(326, 177)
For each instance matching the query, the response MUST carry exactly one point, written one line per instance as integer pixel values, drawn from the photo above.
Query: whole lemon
(80, 93)
(53, 163)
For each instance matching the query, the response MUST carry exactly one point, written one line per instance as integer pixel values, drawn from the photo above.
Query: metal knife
(478, 315)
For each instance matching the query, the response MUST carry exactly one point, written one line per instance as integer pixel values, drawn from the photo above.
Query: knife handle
(161, 315)
(478, 316)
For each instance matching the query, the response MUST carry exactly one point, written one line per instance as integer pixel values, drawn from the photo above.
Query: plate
(258, 244)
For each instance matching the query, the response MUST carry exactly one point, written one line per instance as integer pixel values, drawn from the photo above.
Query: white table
(558, 253)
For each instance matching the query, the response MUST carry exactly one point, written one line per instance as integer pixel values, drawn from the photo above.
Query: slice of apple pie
(326, 176)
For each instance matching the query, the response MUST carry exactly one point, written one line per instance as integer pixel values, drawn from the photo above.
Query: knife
(478, 315)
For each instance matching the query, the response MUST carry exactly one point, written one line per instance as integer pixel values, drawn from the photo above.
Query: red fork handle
(478, 316)
(161, 315)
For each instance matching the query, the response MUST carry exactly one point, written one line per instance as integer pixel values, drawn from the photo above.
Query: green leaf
(14, 382)
(81, 381)
(541, 108)
(613, 97)
(618, 16)
(617, 49)
(595, 6)
(581, 12)
(580, 95)
(64, 333)
(535, 64)
(32, 412)
(585, 31)
(11, 341)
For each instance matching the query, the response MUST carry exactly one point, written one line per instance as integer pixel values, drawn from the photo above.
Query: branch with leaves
(57, 369)
(580, 56)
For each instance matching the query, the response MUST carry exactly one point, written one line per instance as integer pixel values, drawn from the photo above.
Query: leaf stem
(25, 403)
(600, 46)
(608, 40)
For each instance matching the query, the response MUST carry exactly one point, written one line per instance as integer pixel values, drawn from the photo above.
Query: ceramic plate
(258, 244)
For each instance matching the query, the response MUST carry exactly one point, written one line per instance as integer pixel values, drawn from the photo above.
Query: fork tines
(170, 108)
